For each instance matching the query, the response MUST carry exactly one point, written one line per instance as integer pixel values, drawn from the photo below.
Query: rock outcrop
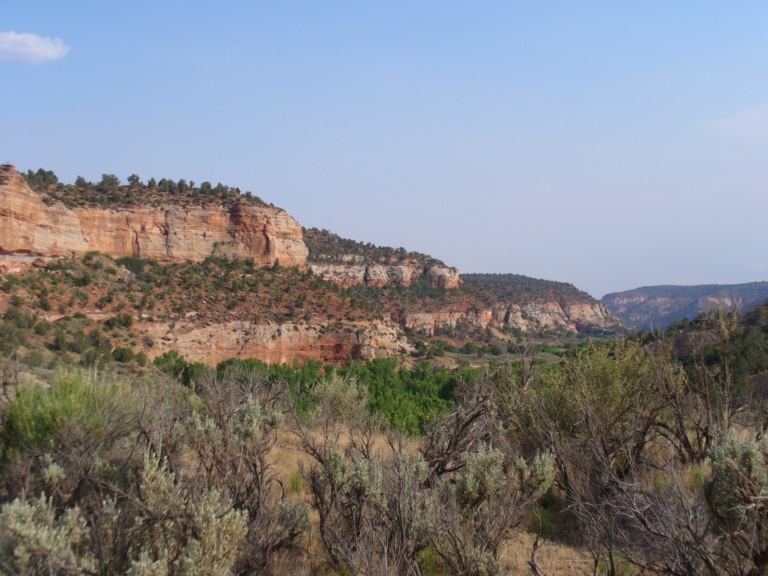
(353, 273)
(30, 228)
(352, 263)
(531, 317)
(277, 343)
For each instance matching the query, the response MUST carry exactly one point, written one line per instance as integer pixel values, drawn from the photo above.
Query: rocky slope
(350, 263)
(31, 225)
(656, 307)
(207, 311)
(508, 302)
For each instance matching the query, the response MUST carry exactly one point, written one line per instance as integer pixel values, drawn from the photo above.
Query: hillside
(659, 306)
(325, 246)
(506, 305)
(352, 263)
(208, 311)
(519, 288)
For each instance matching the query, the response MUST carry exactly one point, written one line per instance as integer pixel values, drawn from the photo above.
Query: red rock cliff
(31, 228)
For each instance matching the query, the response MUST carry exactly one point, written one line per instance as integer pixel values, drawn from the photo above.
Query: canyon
(383, 296)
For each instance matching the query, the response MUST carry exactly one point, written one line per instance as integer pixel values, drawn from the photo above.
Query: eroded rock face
(31, 228)
(379, 275)
(276, 343)
(533, 317)
(585, 315)
(442, 276)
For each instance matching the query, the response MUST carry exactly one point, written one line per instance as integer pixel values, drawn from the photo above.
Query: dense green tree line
(410, 399)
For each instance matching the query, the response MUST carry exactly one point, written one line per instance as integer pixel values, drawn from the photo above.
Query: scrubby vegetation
(648, 455)
(216, 288)
(110, 192)
(325, 246)
(519, 288)
(97, 310)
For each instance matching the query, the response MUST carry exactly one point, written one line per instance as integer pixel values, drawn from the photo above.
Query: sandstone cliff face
(31, 228)
(276, 343)
(352, 263)
(353, 273)
(533, 317)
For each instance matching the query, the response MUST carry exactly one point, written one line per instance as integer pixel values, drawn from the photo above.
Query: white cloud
(30, 47)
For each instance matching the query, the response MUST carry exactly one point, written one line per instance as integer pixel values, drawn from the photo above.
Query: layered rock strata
(534, 317)
(31, 228)
(277, 343)
(352, 273)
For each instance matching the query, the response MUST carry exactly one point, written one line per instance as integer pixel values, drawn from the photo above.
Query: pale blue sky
(608, 144)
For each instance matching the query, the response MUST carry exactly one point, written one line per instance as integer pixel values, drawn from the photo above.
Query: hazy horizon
(611, 147)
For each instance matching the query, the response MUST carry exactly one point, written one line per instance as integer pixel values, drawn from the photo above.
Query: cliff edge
(33, 224)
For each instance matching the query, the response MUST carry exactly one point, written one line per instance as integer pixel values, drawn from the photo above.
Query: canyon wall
(532, 317)
(353, 263)
(277, 343)
(30, 228)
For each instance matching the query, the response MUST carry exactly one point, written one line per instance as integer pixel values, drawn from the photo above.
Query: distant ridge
(652, 307)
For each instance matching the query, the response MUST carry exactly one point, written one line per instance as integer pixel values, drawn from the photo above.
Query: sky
(607, 144)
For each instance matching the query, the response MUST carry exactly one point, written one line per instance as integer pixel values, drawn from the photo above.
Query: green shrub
(59, 341)
(122, 354)
(123, 320)
(10, 282)
(79, 343)
(173, 363)
(34, 358)
(84, 279)
(91, 357)
(36, 415)
(42, 328)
